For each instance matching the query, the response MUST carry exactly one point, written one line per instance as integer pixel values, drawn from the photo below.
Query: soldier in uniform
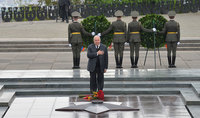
(133, 37)
(172, 32)
(119, 28)
(75, 30)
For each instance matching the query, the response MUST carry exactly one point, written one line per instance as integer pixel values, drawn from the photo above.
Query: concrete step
(63, 41)
(190, 97)
(68, 49)
(189, 45)
(196, 88)
(190, 40)
(7, 46)
(35, 50)
(117, 82)
(194, 110)
(3, 110)
(188, 49)
(106, 85)
(62, 46)
(66, 80)
(6, 98)
(66, 45)
(32, 42)
(78, 91)
(1, 89)
(79, 79)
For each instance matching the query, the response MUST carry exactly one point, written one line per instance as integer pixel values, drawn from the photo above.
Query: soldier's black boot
(169, 62)
(67, 20)
(136, 62)
(78, 63)
(117, 61)
(173, 61)
(74, 63)
(132, 62)
(120, 63)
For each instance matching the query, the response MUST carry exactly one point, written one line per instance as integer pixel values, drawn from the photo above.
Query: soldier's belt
(134, 32)
(76, 33)
(171, 32)
(119, 33)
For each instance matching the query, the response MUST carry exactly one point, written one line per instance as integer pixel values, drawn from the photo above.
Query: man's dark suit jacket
(64, 2)
(92, 55)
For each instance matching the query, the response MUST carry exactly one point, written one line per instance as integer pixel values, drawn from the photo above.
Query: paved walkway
(63, 60)
(50, 29)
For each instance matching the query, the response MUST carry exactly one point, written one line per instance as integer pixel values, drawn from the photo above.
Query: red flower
(100, 95)
(85, 98)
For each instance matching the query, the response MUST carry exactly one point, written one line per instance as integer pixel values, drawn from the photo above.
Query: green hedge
(148, 38)
(96, 24)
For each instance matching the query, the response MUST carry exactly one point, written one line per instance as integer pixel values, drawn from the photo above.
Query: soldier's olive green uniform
(172, 32)
(133, 37)
(75, 32)
(119, 38)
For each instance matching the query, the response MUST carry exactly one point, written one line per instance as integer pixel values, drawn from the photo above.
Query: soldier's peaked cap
(134, 13)
(75, 13)
(171, 13)
(119, 13)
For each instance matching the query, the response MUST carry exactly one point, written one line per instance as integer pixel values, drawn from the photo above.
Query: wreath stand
(154, 41)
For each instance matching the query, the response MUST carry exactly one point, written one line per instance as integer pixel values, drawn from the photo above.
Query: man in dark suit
(97, 64)
(64, 9)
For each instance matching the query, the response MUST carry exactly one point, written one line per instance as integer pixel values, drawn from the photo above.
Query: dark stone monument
(52, 11)
(18, 13)
(42, 12)
(6, 14)
(30, 13)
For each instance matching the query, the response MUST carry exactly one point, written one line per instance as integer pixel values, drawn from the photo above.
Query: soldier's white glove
(99, 34)
(70, 45)
(93, 33)
(178, 43)
(154, 30)
(126, 43)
